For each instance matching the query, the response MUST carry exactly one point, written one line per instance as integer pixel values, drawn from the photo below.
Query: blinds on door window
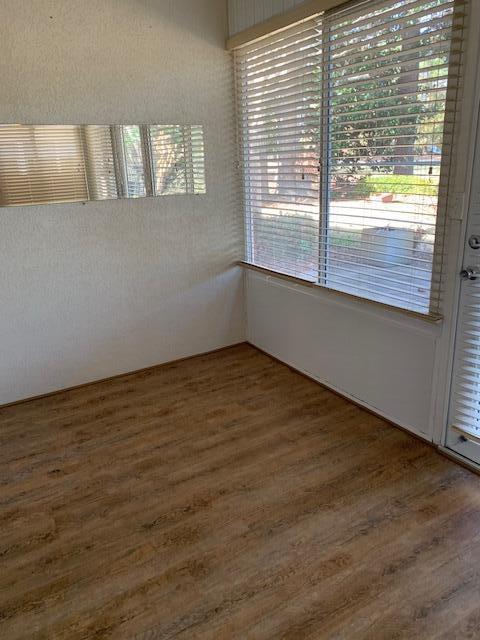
(465, 412)
(465, 393)
(346, 124)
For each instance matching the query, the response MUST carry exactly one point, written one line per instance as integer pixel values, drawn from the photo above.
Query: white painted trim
(465, 461)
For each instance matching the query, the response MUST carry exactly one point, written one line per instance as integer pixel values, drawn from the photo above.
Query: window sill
(430, 317)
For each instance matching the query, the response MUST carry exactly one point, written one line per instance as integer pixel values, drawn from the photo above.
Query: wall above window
(243, 15)
(42, 164)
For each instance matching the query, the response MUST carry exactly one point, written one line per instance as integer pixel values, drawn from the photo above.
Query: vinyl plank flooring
(228, 497)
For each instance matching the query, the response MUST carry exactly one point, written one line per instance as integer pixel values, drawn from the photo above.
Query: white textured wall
(89, 291)
(245, 13)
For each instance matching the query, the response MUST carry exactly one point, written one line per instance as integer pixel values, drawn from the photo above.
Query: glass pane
(387, 114)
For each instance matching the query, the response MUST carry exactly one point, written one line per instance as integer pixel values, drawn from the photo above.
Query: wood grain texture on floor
(228, 497)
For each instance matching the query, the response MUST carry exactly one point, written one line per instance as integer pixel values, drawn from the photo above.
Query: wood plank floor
(227, 497)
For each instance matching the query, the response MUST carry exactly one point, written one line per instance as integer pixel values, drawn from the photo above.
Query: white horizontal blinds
(368, 94)
(99, 162)
(41, 164)
(466, 388)
(278, 94)
(465, 396)
(391, 115)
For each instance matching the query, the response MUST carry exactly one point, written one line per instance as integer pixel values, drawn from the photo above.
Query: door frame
(458, 209)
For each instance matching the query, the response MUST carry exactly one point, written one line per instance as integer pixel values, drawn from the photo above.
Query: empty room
(239, 319)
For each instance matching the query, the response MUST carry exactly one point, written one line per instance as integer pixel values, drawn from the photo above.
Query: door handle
(470, 273)
(474, 242)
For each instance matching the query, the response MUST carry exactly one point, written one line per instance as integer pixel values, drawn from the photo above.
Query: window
(346, 123)
(74, 163)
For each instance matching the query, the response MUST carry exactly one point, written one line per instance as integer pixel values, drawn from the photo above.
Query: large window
(346, 121)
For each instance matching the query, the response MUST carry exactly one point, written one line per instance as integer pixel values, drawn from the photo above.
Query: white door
(463, 432)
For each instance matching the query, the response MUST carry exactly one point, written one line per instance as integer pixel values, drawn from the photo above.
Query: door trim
(461, 188)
